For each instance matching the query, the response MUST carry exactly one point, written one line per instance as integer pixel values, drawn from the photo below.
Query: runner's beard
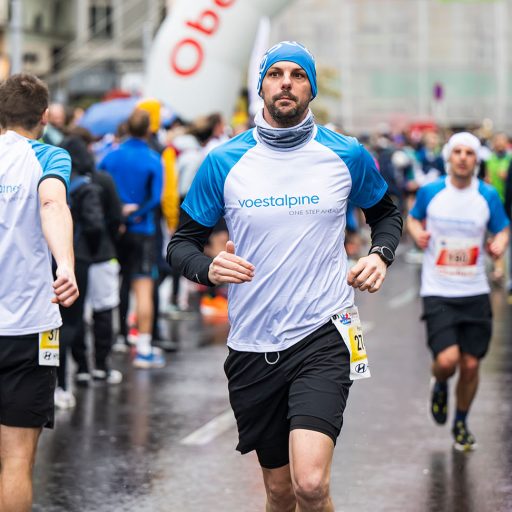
(288, 118)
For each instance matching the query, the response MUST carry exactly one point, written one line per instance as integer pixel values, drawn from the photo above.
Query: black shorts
(26, 389)
(137, 255)
(306, 388)
(463, 321)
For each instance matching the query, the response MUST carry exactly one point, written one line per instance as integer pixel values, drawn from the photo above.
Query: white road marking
(214, 428)
(403, 299)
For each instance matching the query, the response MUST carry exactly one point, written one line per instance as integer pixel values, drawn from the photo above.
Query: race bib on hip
(457, 256)
(348, 324)
(49, 348)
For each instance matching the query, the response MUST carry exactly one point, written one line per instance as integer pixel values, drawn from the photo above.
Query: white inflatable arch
(201, 50)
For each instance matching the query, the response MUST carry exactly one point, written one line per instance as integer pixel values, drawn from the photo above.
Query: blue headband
(292, 52)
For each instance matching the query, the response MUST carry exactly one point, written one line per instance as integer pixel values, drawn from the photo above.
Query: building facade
(83, 47)
(391, 61)
(46, 27)
(399, 61)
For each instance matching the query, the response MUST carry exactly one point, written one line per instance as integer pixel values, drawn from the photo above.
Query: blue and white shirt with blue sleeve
(286, 214)
(458, 221)
(26, 286)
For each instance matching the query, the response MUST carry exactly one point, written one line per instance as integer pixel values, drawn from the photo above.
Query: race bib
(457, 256)
(49, 348)
(349, 326)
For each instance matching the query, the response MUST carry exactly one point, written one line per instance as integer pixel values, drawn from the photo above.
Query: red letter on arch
(212, 26)
(225, 3)
(190, 70)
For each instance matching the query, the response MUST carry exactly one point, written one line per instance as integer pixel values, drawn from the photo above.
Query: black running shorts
(26, 389)
(463, 321)
(305, 386)
(137, 255)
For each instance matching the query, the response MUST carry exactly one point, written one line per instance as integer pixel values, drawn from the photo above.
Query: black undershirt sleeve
(385, 222)
(185, 250)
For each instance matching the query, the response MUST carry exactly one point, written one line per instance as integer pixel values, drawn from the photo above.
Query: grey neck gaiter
(285, 139)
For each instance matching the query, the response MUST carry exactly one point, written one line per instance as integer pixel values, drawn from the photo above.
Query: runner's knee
(311, 487)
(280, 496)
(17, 469)
(469, 365)
(447, 362)
(278, 486)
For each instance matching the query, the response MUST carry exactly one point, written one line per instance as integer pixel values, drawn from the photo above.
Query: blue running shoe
(153, 360)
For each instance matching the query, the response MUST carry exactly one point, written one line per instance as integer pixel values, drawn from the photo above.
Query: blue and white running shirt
(285, 211)
(458, 220)
(25, 261)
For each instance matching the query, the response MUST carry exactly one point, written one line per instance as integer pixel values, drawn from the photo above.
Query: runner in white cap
(450, 221)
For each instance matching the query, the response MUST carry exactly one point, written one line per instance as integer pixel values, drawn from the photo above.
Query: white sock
(144, 344)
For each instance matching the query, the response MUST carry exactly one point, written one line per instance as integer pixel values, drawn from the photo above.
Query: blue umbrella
(105, 117)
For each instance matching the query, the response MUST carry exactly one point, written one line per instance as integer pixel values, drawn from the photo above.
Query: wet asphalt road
(140, 447)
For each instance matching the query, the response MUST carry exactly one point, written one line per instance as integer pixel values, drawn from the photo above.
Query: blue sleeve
(423, 197)
(419, 209)
(55, 162)
(205, 199)
(498, 219)
(368, 186)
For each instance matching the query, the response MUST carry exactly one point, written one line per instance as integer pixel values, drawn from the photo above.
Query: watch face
(387, 253)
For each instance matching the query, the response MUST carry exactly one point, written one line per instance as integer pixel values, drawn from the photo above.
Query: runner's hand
(422, 239)
(227, 267)
(65, 287)
(368, 273)
(496, 247)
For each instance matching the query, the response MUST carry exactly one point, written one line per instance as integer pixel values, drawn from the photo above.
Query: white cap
(461, 139)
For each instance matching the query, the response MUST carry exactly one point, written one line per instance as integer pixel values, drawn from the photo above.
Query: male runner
(35, 220)
(450, 220)
(283, 190)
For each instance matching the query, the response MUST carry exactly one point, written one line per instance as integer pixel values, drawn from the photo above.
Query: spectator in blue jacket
(137, 172)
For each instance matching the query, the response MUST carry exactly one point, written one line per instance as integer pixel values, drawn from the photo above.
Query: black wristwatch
(385, 253)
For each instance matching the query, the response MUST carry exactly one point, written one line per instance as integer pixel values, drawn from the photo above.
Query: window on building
(30, 58)
(57, 12)
(100, 17)
(38, 23)
(57, 58)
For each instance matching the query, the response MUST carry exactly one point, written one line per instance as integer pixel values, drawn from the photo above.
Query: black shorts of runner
(462, 321)
(305, 386)
(137, 255)
(26, 389)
